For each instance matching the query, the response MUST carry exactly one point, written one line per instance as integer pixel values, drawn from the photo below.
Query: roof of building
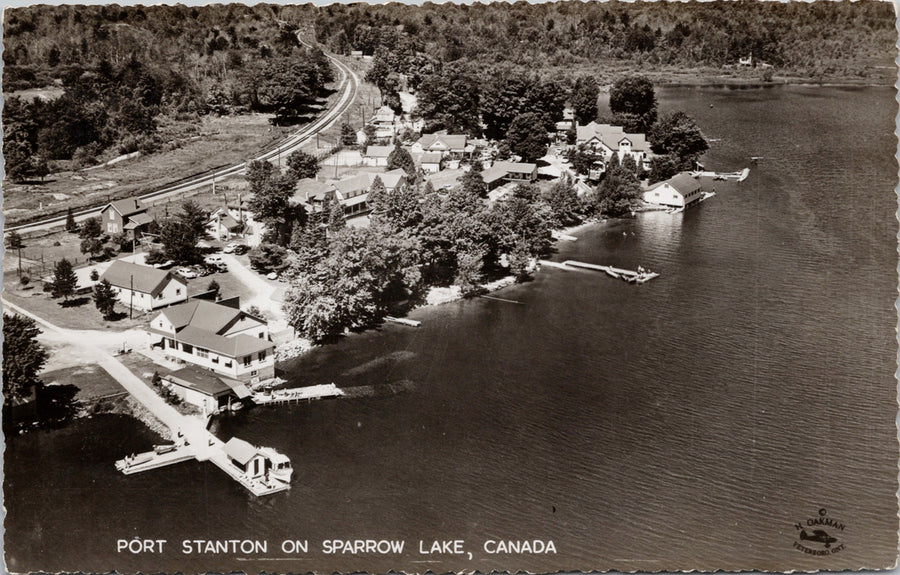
(518, 167)
(384, 114)
(355, 185)
(493, 174)
(610, 136)
(638, 141)
(392, 178)
(203, 380)
(683, 183)
(352, 184)
(146, 279)
(205, 315)
(378, 151)
(451, 141)
(309, 190)
(126, 206)
(235, 346)
(431, 158)
(240, 451)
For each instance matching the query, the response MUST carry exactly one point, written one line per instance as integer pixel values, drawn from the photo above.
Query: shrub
(24, 280)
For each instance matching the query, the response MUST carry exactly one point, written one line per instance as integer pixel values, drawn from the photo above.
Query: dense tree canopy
(677, 134)
(527, 137)
(23, 357)
(584, 97)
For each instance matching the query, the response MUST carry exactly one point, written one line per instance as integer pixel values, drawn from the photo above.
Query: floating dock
(296, 395)
(152, 460)
(403, 321)
(630, 276)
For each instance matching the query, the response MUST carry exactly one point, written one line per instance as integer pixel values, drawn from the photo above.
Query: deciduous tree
(302, 165)
(584, 97)
(527, 137)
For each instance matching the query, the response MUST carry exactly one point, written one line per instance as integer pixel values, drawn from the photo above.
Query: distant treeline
(812, 38)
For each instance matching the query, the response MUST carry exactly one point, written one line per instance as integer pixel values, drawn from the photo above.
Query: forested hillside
(123, 68)
(805, 37)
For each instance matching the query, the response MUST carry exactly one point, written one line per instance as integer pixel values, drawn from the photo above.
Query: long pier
(630, 276)
(618, 273)
(297, 394)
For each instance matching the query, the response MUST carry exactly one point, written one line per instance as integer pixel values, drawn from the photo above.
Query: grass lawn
(90, 379)
(192, 147)
(82, 314)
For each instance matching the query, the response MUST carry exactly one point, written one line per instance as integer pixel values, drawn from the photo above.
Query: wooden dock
(296, 395)
(630, 276)
(153, 460)
(736, 176)
(403, 321)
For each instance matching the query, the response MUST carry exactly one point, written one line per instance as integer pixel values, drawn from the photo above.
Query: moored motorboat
(280, 464)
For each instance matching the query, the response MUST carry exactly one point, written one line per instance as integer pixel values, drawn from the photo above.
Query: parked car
(212, 268)
(272, 275)
(229, 248)
(241, 249)
(213, 259)
(187, 273)
(165, 265)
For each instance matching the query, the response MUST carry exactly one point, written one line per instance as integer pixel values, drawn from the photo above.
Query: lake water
(687, 423)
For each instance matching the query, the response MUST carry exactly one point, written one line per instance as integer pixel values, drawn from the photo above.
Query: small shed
(246, 457)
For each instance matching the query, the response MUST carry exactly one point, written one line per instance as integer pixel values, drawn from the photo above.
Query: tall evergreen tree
(64, 280)
(104, 298)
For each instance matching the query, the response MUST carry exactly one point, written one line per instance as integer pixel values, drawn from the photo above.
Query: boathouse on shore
(679, 191)
(209, 391)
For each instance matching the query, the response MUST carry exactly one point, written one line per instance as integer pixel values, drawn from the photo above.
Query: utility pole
(131, 303)
(20, 261)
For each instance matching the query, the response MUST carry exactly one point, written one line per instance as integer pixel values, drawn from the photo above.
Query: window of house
(262, 355)
(215, 359)
(262, 335)
(204, 353)
(227, 363)
(187, 348)
(254, 373)
(247, 360)
(172, 344)
(177, 291)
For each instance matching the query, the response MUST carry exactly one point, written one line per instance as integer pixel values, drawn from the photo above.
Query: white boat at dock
(280, 464)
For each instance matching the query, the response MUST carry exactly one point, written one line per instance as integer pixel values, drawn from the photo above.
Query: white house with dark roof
(377, 155)
(608, 140)
(124, 216)
(447, 145)
(679, 191)
(217, 337)
(222, 225)
(143, 287)
(353, 193)
(430, 162)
